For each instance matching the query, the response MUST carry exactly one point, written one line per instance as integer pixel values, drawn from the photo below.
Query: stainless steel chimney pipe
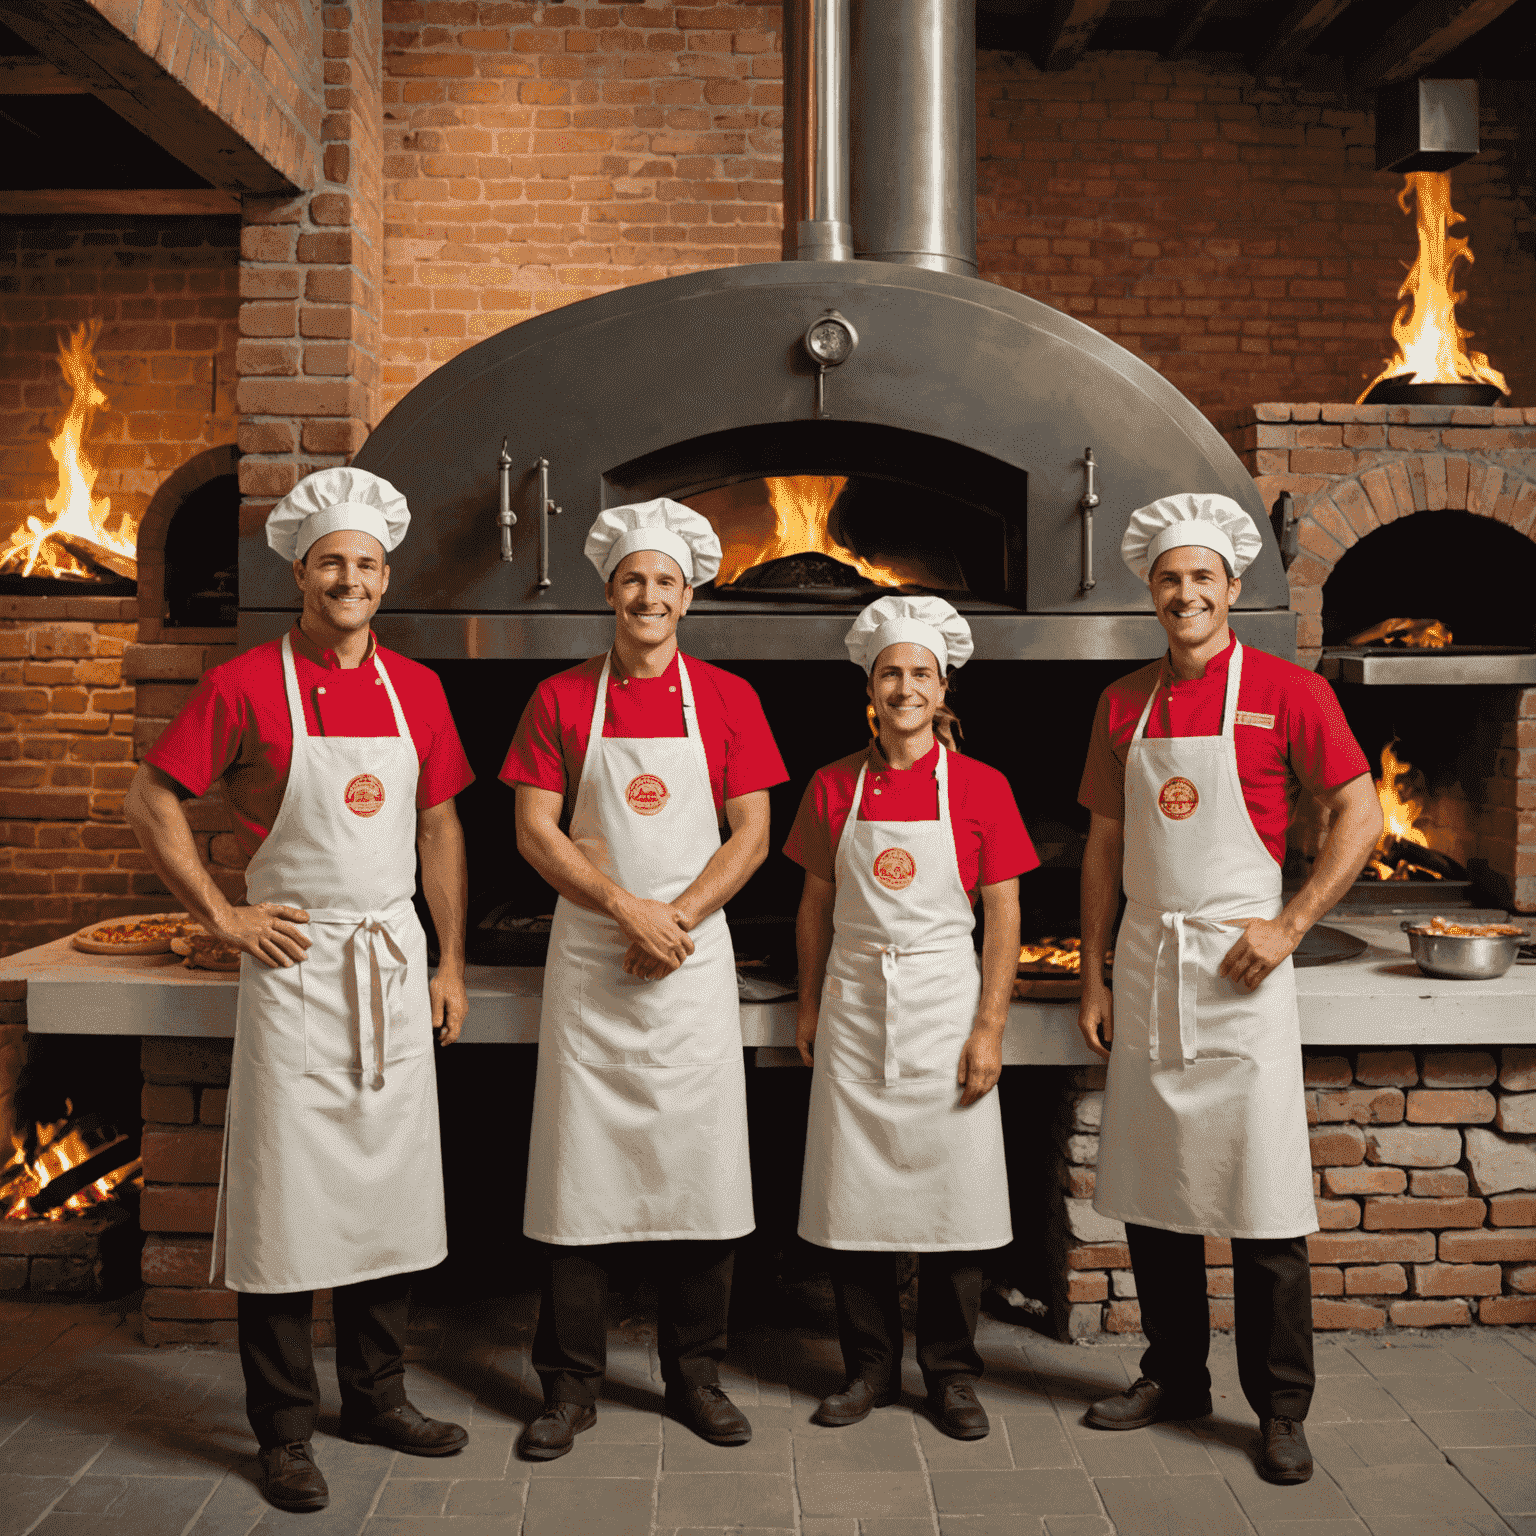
(816, 76)
(913, 161)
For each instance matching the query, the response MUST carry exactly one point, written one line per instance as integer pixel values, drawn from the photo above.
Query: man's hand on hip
(266, 931)
(1263, 946)
(450, 1002)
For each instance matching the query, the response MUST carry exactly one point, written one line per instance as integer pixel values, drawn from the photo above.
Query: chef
(339, 763)
(639, 1119)
(1204, 1128)
(904, 1150)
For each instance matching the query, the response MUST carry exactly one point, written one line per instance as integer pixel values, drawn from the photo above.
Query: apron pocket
(850, 1037)
(269, 1028)
(687, 1019)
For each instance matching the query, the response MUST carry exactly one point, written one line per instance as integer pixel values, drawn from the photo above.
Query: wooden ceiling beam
(1425, 35)
(158, 202)
(1070, 30)
(1187, 22)
(27, 75)
(80, 42)
(1299, 28)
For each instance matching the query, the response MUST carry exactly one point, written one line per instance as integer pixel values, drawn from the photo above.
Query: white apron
(892, 1162)
(1205, 1124)
(640, 1107)
(332, 1164)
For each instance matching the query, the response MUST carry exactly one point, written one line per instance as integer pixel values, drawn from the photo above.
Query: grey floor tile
(1318, 1499)
(235, 1507)
(630, 1426)
(1418, 1493)
(588, 1506)
(1504, 1475)
(1494, 1356)
(1471, 1427)
(1335, 1360)
(941, 1450)
(503, 1500)
(595, 1458)
(1436, 1525)
(482, 1525)
(991, 1525)
(1443, 1394)
(1179, 1449)
(893, 1526)
(1354, 1399)
(24, 1498)
(1159, 1506)
(178, 1448)
(1522, 1525)
(487, 1454)
(146, 1506)
(1407, 1357)
(413, 1497)
(1018, 1492)
(838, 1490)
(93, 1495)
(1373, 1445)
(33, 1452)
(767, 1451)
(1039, 1442)
(836, 1527)
(1350, 1527)
(1108, 1453)
(887, 1444)
(725, 1499)
(1078, 1525)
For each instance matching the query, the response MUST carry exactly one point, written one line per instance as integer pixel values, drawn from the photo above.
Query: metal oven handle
(1089, 501)
(506, 518)
(547, 508)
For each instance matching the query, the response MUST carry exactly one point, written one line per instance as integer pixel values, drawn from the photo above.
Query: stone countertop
(1380, 998)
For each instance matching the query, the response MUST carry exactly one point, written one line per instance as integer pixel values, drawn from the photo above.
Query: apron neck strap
(1229, 698)
(296, 715)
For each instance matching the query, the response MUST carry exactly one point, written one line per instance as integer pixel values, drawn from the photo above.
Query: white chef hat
(663, 525)
(331, 500)
(928, 621)
(1174, 522)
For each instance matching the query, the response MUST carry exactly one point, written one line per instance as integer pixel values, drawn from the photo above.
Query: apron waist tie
(375, 1010)
(1188, 972)
(889, 954)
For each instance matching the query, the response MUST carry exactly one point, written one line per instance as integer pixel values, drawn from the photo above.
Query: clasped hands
(658, 936)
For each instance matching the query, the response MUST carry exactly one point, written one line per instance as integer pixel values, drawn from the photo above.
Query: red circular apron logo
(895, 869)
(1178, 799)
(646, 794)
(365, 795)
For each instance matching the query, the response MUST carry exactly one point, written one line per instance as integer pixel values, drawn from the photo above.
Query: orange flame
(74, 538)
(802, 506)
(1415, 634)
(1429, 341)
(1401, 807)
(1065, 955)
(60, 1146)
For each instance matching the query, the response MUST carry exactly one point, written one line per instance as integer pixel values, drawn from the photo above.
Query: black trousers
(1272, 1293)
(869, 1316)
(282, 1392)
(693, 1293)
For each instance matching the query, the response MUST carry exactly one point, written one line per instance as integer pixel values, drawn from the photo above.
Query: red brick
(178, 1207)
(1122, 1317)
(1387, 1069)
(1508, 1245)
(1437, 1183)
(1327, 1071)
(1512, 1210)
(176, 1261)
(1430, 1314)
(1396, 1212)
(1364, 1180)
(1371, 1247)
(1218, 1250)
(159, 1331)
(1328, 1313)
(1375, 1280)
(1457, 1279)
(1522, 1278)
(1450, 1106)
(1363, 1106)
(204, 1304)
(211, 1106)
(170, 1060)
(1458, 1069)
(1337, 1146)
(171, 1105)
(1507, 1311)
(1099, 1256)
(1327, 1281)
(182, 1157)
(1517, 1071)
(1218, 1282)
(1222, 1312)
(1087, 1286)
(1338, 1215)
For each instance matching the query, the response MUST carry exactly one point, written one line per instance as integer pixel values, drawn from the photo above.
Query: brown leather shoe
(1286, 1458)
(1144, 1403)
(852, 1405)
(709, 1413)
(554, 1432)
(404, 1429)
(953, 1406)
(291, 1480)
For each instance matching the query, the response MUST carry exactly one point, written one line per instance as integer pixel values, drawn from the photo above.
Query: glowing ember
(802, 507)
(63, 1145)
(74, 541)
(1401, 807)
(1418, 634)
(1429, 341)
(1064, 955)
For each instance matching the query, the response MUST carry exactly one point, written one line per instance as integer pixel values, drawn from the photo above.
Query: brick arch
(156, 523)
(1346, 510)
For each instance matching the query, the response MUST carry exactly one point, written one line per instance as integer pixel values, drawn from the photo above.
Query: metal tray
(1324, 946)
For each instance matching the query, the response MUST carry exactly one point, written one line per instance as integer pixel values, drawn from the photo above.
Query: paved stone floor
(1432, 1435)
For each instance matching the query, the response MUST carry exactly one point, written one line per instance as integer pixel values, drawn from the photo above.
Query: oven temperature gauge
(830, 340)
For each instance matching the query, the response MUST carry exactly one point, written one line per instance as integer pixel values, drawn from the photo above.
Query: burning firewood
(1423, 634)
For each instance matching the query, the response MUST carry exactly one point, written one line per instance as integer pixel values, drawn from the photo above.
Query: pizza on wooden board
(148, 934)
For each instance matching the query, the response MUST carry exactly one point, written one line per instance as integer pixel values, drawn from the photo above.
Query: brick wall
(166, 292)
(256, 65)
(1425, 1177)
(536, 155)
(1231, 233)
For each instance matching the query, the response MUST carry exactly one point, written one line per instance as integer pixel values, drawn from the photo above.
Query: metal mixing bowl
(1462, 957)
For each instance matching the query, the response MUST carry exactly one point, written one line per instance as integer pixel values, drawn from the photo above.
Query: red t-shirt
(550, 744)
(1294, 728)
(236, 727)
(991, 844)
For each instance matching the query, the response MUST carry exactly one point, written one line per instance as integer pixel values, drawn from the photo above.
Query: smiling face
(648, 595)
(343, 577)
(1192, 593)
(906, 688)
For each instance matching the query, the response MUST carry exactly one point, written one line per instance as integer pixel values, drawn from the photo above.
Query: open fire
(75, 541)
(1414, 634)
(49, 1176)
(1404, 851)
(1430, 344)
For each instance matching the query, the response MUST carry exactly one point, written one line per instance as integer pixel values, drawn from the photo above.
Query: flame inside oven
(1415, 634)
(1430, 346)
(32, 1182)
(1402, 808)
(74, 541)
